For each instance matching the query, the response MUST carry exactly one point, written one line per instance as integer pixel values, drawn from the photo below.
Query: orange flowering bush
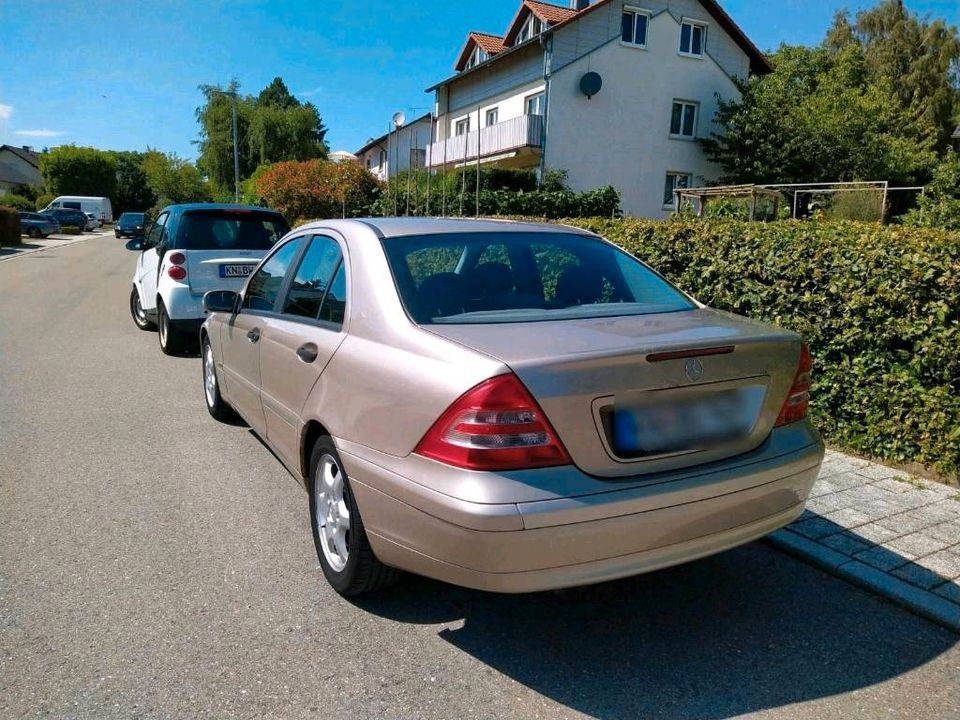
(318, 189)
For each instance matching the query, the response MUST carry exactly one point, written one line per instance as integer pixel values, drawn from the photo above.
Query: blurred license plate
(236, 271)
(684, 422)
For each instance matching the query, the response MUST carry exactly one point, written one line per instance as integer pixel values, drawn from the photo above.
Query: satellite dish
(590, 84)
(399, 118)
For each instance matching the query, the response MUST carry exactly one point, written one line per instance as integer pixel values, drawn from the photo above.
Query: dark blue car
(130, 224)
(36, 225)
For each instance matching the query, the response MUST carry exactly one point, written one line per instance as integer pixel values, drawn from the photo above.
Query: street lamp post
(236, 150)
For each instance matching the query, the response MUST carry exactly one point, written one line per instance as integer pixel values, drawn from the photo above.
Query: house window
(492, 116)
(634, 30)
(683, 120)
(383, 158)
(674, 181)
(536, 104)
(462, 127)
(477, 56)
(531, 27)
(693, 38)
(418, 157)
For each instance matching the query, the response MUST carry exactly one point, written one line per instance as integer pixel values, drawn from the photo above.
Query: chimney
(28, 148)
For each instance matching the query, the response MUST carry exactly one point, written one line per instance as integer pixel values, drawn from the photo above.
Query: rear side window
(230, 230)
(317, 291)
(264, 287)
(523, 277)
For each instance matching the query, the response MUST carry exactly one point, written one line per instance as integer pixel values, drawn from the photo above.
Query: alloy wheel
(209, 376)
(332, 514)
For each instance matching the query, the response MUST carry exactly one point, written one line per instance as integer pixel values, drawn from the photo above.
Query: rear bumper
(566, 541)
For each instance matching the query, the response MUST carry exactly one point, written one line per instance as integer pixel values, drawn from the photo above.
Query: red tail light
(495, 426)
(795, 406)
(176, 272)
(177, 258)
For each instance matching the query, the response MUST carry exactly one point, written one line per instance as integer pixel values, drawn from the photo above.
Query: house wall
(402, 141)
(22, 166)
(509, 103)
(503, 77)
(621, 136)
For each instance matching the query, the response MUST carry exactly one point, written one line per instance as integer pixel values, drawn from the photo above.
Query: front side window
(692, 38)
(634, 27)
(491, 278)
(675, 181)
(313, 284)
(264, 287)
(230, 230)
(683, 119)
(156, 230)
(462, 127)
(535, 104)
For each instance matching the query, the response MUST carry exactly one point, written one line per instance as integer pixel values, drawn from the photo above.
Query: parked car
(99, 206)
(36, 225)
(66, 216)
(92, 222)
(188, 251)
(130, 224)
(507, 406)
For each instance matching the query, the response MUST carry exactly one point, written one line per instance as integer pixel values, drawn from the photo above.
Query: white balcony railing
(518, 132)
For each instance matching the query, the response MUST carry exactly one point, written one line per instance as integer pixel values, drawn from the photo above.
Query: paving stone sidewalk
(883, 528)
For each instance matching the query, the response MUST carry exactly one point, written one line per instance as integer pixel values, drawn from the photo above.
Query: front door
(150, 263)
(298, 343)
(242, 335)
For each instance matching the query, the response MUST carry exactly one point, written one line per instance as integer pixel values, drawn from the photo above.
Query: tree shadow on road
(736, 633)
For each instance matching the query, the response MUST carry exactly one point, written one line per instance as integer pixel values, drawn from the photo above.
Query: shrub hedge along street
(9, 226)
(880, 307)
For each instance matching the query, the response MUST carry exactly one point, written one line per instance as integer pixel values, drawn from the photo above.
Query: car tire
(218, 408)
(137, 312)
(33, 232)
(172, 341)
(345, 555)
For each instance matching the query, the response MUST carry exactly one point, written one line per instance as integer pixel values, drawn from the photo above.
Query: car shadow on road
(740, 632)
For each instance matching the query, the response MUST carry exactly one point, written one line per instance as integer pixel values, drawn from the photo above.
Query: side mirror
(135, 244)
(224, 301)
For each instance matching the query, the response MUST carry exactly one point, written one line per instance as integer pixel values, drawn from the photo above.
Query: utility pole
(236, 154)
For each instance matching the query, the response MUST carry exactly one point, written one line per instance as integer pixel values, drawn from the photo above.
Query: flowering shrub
(318, 189)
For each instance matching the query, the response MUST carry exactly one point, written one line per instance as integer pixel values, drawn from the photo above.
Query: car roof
(188, 207)
(396, 227)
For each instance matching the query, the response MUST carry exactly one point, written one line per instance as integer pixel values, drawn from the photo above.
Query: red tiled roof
(548, 13)
(491, 44)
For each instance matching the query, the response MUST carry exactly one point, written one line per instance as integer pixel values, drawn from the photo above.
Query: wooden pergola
(702, 196)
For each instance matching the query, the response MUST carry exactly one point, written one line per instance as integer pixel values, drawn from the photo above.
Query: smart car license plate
(236, 271)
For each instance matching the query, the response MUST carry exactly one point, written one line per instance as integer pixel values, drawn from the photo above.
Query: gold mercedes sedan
(507, 406)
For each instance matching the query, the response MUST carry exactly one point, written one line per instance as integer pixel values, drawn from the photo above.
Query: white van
(99, 206)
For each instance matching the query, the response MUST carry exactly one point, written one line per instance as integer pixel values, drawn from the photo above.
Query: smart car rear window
(230, 230)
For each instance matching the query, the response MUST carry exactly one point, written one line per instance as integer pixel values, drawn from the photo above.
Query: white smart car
(188, 251)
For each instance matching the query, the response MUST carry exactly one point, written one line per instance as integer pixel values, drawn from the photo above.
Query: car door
(298, 342)
(149, 267)
(240, 336)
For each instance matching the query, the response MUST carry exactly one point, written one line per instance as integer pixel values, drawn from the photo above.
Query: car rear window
(131, 219)
(230, 230)
(523, 277)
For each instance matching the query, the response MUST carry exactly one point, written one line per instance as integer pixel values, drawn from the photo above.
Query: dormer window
(532, 27)
(478, 56)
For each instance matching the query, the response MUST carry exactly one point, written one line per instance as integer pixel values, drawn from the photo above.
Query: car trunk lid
(643, 394)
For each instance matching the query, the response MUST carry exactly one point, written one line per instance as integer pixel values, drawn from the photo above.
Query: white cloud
(40, 133)
(5, 111)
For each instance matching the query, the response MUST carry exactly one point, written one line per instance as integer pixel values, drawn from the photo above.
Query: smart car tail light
(176, 270)
(496, 425)
(798, 400)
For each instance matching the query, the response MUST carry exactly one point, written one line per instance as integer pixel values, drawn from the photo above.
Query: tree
(939, 206)
(133, 187)
(272, 127)
(817, 118)
(72, 170)
(173, 179)
(318, 189)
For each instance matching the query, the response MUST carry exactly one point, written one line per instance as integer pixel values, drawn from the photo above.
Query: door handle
(254, 335)
(307, 353)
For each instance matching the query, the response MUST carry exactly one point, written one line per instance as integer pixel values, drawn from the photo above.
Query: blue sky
(119, 74)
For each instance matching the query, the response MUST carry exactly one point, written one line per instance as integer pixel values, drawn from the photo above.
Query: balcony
(518, 140)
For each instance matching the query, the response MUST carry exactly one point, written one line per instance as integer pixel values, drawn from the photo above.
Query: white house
(401, 149)
(18, 166)
(613, 91)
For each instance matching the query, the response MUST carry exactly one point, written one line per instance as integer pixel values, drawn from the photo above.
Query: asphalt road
(155, 564)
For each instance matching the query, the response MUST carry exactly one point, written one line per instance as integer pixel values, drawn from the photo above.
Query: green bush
(17, 201)
(9, 226)
(880, 307)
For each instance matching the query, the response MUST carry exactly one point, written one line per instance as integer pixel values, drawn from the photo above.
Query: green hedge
(880, 307)
(9, 226)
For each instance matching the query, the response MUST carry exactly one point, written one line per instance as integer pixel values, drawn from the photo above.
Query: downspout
(547, 45)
